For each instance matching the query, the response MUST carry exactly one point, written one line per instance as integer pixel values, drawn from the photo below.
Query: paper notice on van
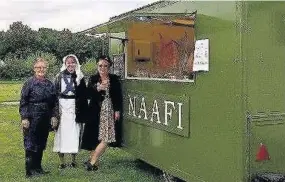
(201, 55)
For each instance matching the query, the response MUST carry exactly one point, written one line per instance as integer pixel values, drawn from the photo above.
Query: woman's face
(40, 69)
(103, 67)
(70, 64)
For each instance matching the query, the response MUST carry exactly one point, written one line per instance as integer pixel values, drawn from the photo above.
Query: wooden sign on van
(165, 112)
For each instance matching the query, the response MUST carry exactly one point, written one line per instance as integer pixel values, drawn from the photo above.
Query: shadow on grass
(143, 167)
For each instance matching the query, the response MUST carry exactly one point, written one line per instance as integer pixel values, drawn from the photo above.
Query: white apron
(68, 134)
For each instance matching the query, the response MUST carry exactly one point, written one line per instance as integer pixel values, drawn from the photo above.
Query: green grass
(10, 90)
(115, 165)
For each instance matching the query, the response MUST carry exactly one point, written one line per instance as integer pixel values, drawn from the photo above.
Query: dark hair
(106, 58)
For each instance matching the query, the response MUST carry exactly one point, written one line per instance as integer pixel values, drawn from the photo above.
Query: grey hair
(40, 59)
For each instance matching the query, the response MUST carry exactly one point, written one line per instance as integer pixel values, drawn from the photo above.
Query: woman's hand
(102, 86)
(25, 123)
(117, 115)
(54, 122)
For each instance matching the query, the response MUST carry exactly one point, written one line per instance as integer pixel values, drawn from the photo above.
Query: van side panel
(214, 149)
(265, 72)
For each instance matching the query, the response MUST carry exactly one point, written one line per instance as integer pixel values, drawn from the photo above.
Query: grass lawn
(116, 165)
(10, 90)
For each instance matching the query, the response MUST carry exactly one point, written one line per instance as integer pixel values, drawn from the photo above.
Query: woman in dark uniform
(103, 127)
(37, 107)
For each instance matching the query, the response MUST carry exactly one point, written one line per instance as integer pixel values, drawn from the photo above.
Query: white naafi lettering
(166, 113)
(155, 111)
(180, 116)
(143, 109)
(132, 106)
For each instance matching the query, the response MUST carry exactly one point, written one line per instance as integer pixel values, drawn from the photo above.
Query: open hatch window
(161, 48)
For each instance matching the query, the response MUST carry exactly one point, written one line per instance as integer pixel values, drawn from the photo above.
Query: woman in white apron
(73, 104)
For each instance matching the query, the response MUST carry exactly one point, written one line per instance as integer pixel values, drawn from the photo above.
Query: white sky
(76, 15)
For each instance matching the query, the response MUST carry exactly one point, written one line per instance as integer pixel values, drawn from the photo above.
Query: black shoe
(29, 174)
(86, 162)
(73, 165)
(90, 167)
(32, 173)
(62, 166)
(41, 171)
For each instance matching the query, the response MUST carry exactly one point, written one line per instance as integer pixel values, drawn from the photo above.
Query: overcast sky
(76, 15)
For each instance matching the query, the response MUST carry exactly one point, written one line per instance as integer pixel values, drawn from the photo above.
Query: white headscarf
(77, 68)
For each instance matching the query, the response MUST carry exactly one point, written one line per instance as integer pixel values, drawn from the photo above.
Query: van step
(268, 177)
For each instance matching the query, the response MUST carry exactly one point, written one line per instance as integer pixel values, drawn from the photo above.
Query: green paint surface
(234, 107)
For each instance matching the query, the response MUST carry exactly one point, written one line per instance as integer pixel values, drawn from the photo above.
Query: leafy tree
(2, 45)
(20, 40)
(18, 68)
(19, 45)
(47, 39)
(13, 69)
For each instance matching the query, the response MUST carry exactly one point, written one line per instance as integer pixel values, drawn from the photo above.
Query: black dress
(91, 128)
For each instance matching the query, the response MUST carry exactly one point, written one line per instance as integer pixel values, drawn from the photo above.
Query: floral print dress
(107, 121)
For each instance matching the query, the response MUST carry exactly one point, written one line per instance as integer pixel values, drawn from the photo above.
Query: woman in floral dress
(102, 128)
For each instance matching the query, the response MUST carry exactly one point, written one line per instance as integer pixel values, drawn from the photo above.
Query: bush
(53, 67)
(18, 69)
(89, 67)
(13, 69)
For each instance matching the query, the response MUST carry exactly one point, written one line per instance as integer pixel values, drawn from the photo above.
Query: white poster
(201, 55)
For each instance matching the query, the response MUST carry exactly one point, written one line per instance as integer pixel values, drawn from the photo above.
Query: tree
(20, 40)
(19, 45)
(47, 39)
(2, 45)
